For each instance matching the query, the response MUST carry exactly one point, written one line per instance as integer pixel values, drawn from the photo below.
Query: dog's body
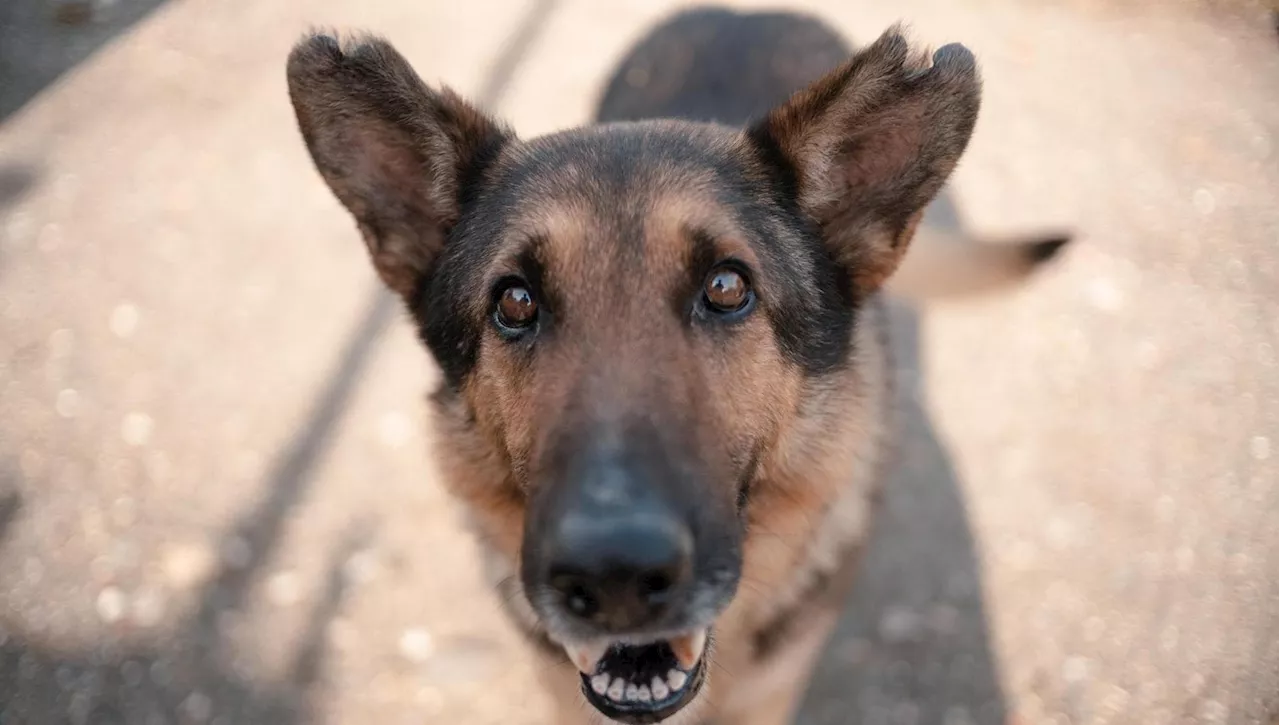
(666, 395)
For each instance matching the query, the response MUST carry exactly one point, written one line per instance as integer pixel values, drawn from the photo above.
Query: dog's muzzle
(642, 682)
(627, 560)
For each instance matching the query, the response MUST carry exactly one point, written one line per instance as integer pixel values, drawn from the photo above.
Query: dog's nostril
(578, 598)
(654, 585)
(580, 602)
(621, 571)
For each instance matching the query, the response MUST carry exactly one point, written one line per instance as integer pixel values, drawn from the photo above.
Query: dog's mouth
(641, 682)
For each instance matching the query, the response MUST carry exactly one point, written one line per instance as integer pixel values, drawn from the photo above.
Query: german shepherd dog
(665, 392)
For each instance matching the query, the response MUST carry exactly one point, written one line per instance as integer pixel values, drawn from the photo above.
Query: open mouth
(641, 683)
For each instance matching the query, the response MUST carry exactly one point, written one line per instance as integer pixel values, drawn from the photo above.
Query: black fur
(812, 316)
(623, 485)
(432, 183)
(731, 67)
(1047, 249)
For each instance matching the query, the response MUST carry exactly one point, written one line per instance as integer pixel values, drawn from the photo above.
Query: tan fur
(871, 143)
(945, 263)
(816, 480)
(507, 399)
(817, 493)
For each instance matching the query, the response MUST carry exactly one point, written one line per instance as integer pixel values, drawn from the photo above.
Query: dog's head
(628, 316)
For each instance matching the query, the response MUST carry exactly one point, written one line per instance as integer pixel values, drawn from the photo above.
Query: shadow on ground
(15, 180)
(912, 644)
(42, 39)
(194, 675)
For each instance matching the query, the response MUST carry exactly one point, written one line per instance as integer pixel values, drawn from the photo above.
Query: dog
(674, 517)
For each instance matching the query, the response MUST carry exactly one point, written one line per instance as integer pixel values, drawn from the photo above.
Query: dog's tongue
(688, 648)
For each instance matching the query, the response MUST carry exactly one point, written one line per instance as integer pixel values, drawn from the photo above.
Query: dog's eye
(726, 290)
(516, 308)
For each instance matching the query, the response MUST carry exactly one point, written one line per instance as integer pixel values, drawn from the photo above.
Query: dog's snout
(623, 537)
(620, 571)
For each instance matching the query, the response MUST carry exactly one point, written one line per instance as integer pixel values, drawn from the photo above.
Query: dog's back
(720, 66)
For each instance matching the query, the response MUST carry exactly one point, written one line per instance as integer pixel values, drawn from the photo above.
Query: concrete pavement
(215, 502)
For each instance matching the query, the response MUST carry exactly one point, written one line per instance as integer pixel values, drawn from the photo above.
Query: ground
(216, 503)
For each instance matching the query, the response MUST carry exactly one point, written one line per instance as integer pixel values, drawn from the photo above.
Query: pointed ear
(397, 154)
(868, 146)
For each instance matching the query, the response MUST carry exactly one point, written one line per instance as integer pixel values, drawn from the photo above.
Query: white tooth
(643, 693)
(689, 648)
(586, 656)
(617, 689)
(600, 683)
(660, 690)
(632, 692)
(676, 679)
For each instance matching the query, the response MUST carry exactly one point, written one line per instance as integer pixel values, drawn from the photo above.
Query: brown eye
(726, 290)
(516, 307)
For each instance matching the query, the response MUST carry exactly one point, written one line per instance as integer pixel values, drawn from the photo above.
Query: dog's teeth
(600, 684)
(586, 656)
(659, 689)
(643, 693)
(688, 648)
(676, 679)
(632, 693)
(617, 689)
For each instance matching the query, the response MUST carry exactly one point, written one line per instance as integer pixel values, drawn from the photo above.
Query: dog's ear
(864, 149)
(397, 154)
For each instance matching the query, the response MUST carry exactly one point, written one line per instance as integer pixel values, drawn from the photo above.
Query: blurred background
(216, 504)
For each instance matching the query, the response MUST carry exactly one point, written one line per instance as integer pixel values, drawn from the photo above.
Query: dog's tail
(942, 263)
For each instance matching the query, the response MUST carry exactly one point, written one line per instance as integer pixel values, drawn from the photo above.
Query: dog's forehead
(628, 202)
(620, 169)
(629, 196)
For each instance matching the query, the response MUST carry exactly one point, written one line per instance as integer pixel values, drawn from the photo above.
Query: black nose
(619, 571)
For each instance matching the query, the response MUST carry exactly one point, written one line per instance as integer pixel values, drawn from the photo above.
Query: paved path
(215, 503)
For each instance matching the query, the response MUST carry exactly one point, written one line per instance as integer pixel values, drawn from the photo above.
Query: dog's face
(629, 317)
